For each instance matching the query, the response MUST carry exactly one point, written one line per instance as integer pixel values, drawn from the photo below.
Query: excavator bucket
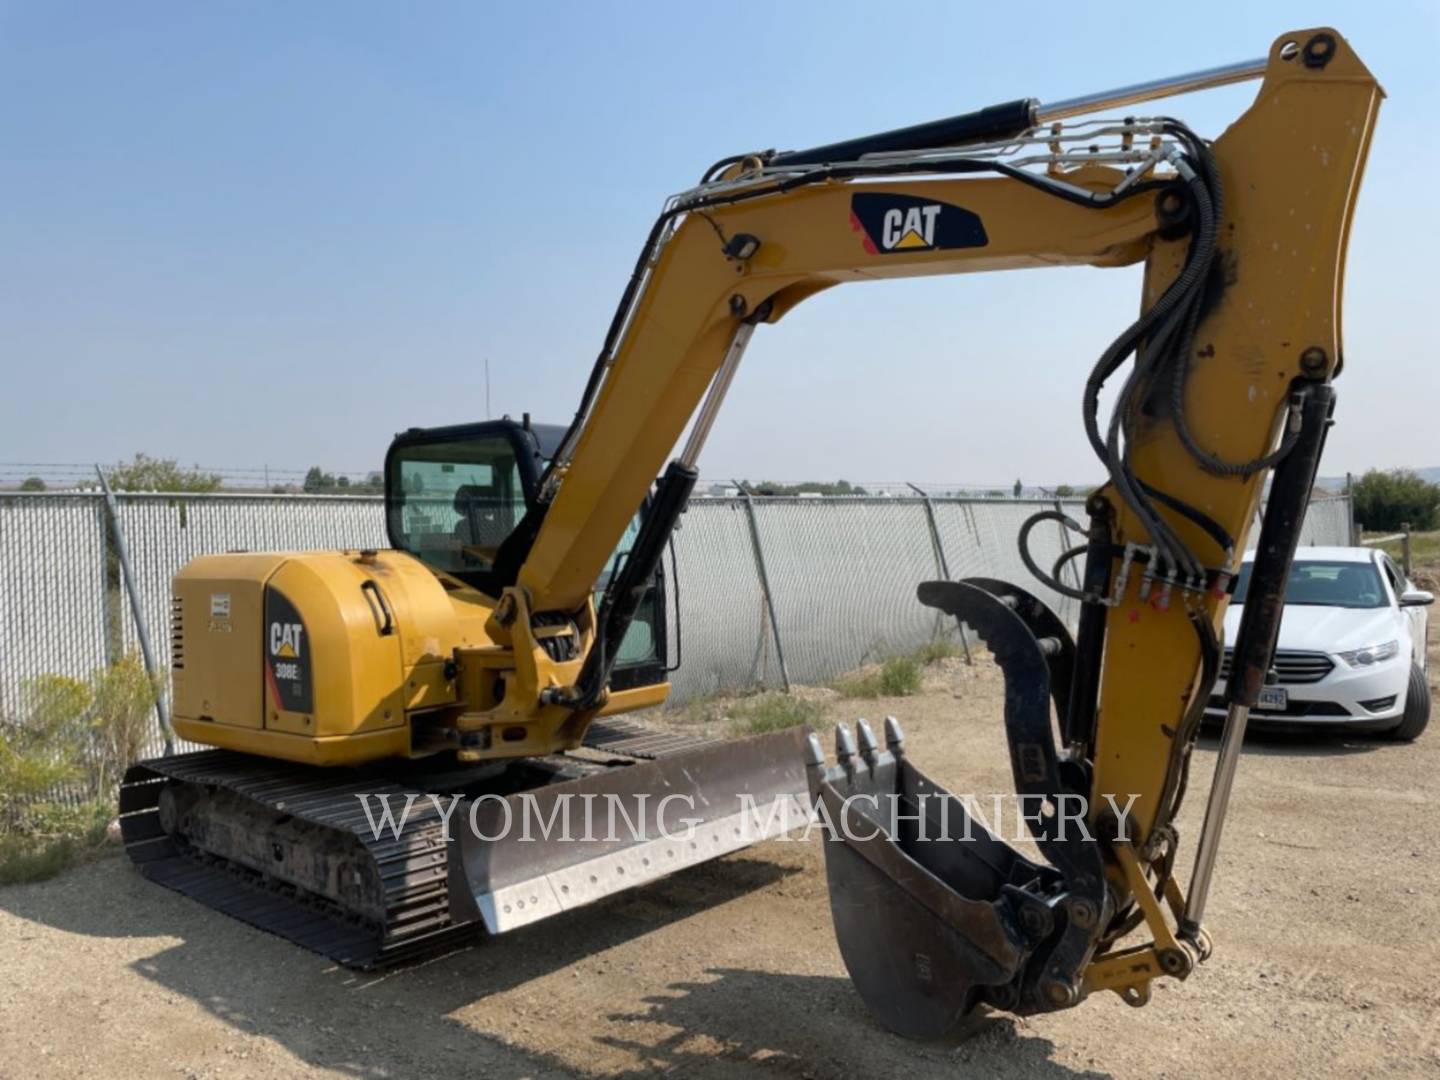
(524, 857)
(934, 913)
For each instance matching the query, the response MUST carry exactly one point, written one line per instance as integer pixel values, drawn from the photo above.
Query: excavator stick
(934, 914)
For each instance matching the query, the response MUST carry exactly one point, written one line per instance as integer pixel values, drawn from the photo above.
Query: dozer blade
(520, 858)
(933, 913)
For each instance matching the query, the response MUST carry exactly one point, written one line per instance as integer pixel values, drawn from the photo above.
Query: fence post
(1350, 510)
(108, 624)
(759, 553)
(941, 563)
(1405, 546)
(162, 707)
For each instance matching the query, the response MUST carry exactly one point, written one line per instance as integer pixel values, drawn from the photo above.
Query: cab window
(641, 642)
(452, 504)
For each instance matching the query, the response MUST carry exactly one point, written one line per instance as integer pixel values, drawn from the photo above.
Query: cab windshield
(452, 504)
(1317, 583)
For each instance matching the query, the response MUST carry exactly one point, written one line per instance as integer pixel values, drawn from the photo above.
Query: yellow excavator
(480, 669)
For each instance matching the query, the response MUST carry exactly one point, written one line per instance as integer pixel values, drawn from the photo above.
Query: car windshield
(1317, 583)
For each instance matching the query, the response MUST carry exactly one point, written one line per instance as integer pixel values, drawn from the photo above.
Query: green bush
(1386, 500)
(78, 734)
(898, 676)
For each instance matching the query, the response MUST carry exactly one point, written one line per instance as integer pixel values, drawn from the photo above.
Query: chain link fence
(764, 592)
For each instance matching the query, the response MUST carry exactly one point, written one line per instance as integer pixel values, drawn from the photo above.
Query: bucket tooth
(866, 736)
(894, 737)
(844, 747)
(814, 752)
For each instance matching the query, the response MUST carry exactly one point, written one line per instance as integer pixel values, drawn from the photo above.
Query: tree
(318, 482)
(808, 487)
(1018, 488)
(145, 473)
(32, 483)
(1064, 491)
(1387, 500)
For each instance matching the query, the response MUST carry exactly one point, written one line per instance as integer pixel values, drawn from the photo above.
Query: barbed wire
(13, 473)
(76, 474)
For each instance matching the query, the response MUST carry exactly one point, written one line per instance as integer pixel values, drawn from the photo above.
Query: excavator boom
(1243, 242)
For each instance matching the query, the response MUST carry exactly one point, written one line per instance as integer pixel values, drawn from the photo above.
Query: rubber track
(413, 866)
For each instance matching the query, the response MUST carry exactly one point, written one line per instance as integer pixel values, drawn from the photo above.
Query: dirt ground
(1325, 917)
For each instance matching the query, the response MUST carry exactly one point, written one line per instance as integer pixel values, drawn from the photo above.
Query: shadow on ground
(333, 1018)
(822, 1030)
(1270, 741)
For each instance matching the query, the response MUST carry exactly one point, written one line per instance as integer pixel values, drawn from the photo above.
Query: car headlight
(1370, 654)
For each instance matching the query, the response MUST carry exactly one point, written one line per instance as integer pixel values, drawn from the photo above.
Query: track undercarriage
(296, 850)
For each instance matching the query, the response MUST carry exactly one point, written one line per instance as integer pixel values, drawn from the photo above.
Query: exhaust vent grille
(177, 634)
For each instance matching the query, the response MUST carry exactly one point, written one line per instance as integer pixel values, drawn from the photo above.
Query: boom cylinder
(1014, 117)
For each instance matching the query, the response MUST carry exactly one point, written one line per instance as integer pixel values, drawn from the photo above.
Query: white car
(1351, 650)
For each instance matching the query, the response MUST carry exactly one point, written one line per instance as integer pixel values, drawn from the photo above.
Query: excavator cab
(454, 495)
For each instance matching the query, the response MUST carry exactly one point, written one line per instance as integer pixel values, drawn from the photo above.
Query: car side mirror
(1416, 598)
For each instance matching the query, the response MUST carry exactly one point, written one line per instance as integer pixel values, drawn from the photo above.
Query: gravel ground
(1324, 916)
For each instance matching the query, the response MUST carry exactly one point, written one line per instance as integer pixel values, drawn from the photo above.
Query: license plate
(1273, 698)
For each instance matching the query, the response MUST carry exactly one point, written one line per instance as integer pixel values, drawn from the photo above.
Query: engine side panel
(216, 639)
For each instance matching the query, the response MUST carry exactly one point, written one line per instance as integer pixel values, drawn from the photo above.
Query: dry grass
(772, 712)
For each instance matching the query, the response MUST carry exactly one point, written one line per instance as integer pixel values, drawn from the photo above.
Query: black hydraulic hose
(1172, 318)
(1210, 462)
(1172, 551)
(721, 165)
(1028, 559)
(1178, 773)
(1212, 528)
(1067, 557)
(1110, 360)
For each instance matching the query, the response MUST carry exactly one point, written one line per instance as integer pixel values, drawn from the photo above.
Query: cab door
(643, 651)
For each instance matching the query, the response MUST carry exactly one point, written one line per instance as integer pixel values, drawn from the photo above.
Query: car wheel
(1417, 708)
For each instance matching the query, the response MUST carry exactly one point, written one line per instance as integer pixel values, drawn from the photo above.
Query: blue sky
(255, 233)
